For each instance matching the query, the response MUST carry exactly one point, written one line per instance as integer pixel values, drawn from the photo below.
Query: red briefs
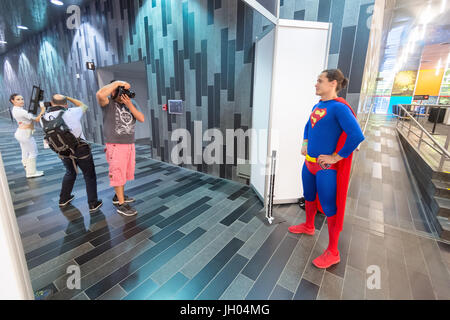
(314, 167)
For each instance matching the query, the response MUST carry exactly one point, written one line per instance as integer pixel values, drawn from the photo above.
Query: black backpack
(59, 137)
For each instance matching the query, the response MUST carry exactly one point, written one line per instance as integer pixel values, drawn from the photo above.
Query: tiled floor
(199, 237)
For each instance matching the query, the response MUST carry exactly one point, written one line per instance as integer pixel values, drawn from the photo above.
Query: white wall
(15, 281)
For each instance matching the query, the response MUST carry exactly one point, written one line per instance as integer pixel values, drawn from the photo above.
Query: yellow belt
(311, 159)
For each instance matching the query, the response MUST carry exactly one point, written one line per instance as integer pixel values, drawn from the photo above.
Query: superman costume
(331, 128)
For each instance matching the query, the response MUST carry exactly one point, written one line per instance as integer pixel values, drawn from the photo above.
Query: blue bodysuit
(327, 122)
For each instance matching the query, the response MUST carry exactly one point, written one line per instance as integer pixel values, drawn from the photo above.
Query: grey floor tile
(439, 273)
(238, 289)
(81, 296)
(421, 286)
(312, 273)
(191, 252)
(202, 259)
(50, 276)
(399, 285)
(292, 273)
(92, 278)
(354, 284)
(445, 252)
(306, 291)
(115, 293)
(331, 287)
(357, 254)
(280, 293)
(60, 260)
(252, 245)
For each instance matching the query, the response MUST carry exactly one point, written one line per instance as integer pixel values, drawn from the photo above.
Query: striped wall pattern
(200, 51)
(351, 21)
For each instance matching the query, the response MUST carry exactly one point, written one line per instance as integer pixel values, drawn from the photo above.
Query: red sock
(333, 235)
(311, 210)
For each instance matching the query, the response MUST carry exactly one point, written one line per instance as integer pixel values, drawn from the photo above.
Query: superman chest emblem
(317, 115)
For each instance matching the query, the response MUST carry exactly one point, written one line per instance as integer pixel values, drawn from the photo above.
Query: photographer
(119, 123)
(83, 156)
(24, 134)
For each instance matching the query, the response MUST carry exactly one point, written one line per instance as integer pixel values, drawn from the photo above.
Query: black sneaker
(127, 200)
(95, 206)
(126, 210)
(63, 204)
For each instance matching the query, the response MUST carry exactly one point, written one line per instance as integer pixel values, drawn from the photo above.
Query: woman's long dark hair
(336, 74)
(12, 97)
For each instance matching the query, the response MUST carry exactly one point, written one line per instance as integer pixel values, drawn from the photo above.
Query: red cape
(343, 177)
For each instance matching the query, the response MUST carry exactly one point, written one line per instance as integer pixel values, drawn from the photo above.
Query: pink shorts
(122, 162)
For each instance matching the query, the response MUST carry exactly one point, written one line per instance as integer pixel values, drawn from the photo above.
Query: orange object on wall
(428, 82)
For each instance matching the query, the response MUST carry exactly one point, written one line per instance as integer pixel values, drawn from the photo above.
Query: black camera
(121, 91)
(37, 95)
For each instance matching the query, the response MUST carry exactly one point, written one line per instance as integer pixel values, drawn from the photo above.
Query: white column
(15, 281)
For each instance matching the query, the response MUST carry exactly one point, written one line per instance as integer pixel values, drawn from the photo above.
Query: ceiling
(37, 15)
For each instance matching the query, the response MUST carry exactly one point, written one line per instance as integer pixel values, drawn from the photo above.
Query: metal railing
(366, 121)
(434, 145)
(427, 107)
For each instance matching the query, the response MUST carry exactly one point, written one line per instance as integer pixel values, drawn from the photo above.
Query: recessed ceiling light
(57, 2)
(22, 27)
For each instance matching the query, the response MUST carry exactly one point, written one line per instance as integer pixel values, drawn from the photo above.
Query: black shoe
(63, 204)
(301, 203)
(95, 206)
(127, 200)
(126, 210)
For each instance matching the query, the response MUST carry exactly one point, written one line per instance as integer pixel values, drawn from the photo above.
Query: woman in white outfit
(24, 134)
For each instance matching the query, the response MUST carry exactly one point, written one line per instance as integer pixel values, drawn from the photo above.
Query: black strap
(56, 108)
(53, 109)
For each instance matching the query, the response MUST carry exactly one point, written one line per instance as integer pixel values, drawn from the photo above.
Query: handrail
(426, 132)
(430, 105)
(434, 106)
(368, 116)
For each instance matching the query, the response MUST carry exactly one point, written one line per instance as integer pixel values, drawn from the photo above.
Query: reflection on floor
(198, 237)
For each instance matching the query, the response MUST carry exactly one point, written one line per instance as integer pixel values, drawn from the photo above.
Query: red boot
(308, 226)
(326, 260)
(331, 254)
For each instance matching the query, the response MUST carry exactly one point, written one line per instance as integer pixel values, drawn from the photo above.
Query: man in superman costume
(330, 137)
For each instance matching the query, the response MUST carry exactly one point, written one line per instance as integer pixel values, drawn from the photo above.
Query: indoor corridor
(200, 237)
